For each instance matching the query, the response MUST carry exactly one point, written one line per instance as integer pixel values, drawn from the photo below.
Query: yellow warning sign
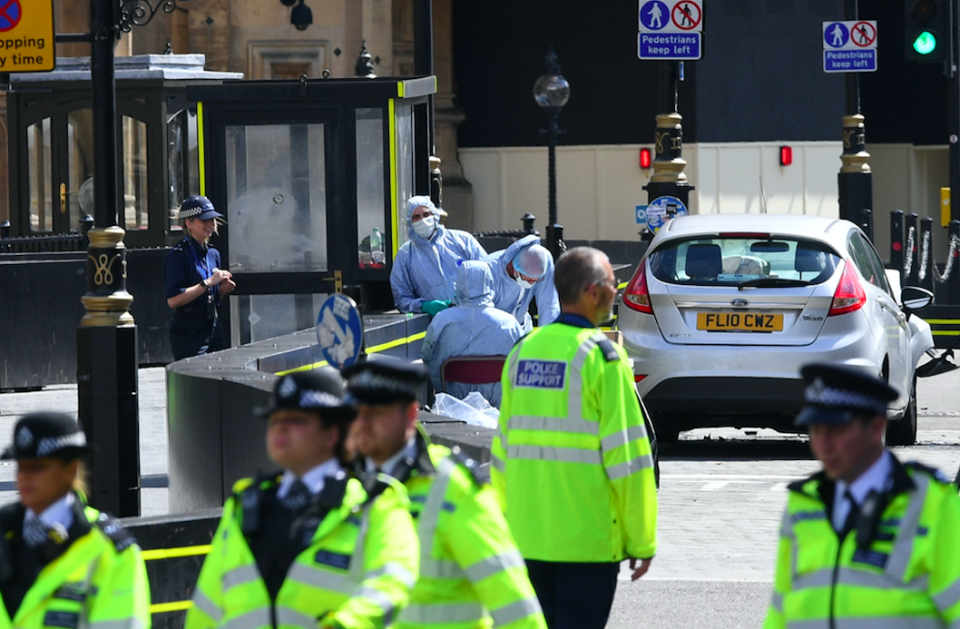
(27, 36)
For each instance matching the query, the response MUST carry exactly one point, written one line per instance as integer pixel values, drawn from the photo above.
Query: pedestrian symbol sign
(670, 16)
(654, 15)
(686, 15)
(27, 36)
(850, 46)
(835, 35)
(850, 35)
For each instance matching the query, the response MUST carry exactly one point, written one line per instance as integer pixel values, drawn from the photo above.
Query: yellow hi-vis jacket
(572, 460)
(356, 573)
(908, 576)
(471, 574)
(100, 582)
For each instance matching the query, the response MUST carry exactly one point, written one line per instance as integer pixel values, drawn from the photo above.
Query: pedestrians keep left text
(27, 36)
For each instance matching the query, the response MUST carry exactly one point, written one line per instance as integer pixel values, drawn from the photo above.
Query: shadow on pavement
(714, 449)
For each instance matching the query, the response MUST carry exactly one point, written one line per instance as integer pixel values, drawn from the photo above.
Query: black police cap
(378, 380)
(47, 435)
(838, 394)
(318, 390)
(198, 207)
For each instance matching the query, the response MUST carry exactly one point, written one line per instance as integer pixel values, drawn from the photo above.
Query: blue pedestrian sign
(850, 46)
(641, 213)
(654, 15)
(836, 35)
(663, 209)
(339, 331)
(669, 46)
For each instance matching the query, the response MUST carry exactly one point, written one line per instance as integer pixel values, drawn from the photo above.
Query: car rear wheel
(903, 432)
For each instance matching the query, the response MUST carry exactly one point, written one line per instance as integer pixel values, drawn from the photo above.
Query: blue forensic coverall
(426, 270)
(473, 328)
(509, 297)
(195, 328)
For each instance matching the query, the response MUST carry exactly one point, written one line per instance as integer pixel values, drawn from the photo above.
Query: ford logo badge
(740, 303)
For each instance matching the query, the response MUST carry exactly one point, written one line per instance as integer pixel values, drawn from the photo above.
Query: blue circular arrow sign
(339, 331)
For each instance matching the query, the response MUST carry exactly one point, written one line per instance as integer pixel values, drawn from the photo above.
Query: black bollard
(911, 238)
(896, 242)
(953, 280)
(528, 227)
(925, 246)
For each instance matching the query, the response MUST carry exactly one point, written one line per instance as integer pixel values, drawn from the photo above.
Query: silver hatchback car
(723, 310)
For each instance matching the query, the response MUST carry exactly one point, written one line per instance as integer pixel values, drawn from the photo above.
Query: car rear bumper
(713, 396)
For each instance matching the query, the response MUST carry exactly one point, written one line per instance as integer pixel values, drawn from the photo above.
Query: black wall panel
(762, 76)
(498, 54)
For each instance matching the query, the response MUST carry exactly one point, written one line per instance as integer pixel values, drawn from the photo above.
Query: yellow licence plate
(739, 322)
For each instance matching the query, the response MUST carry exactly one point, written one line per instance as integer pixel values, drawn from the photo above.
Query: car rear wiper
(772, 281)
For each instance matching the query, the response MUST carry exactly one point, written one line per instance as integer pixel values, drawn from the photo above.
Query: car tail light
(746, 235)
(636, 296)
(638, 377)
(849, 295)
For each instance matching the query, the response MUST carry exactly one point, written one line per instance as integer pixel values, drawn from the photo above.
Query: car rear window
(728, 261)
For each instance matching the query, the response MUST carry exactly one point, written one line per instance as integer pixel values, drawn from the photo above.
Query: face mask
(522, 283)
(426, 226)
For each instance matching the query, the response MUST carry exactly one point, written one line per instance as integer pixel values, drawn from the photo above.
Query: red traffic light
(786, 155)
(645, 159)
(924, 10)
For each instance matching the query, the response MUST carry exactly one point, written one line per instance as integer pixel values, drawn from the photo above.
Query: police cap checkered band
(316, 390)
(819, 393)
(384, 380)
(836, 394)
(42, 435)
(380, 382)
(198, 207)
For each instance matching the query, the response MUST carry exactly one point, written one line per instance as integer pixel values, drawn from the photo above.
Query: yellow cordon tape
(173, 553)
(177, 606)
(370, 350)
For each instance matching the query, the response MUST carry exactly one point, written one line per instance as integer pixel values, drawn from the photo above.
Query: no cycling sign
(27, 36)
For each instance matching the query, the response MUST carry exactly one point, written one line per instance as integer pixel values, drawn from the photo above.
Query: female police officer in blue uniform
(196, 283)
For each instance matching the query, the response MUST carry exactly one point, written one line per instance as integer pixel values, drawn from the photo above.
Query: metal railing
(46, 243)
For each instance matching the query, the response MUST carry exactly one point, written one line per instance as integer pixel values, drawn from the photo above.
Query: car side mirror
(915, 298)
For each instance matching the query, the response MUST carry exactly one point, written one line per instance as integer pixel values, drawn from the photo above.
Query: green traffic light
(925, 43)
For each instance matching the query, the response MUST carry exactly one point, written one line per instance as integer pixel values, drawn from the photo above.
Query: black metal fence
(46, 243)
(911, 252)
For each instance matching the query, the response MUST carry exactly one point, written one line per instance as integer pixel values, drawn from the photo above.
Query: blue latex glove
(433, 307)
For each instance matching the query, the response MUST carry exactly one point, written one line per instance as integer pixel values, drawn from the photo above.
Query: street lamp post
(107, 337)
(552, 91)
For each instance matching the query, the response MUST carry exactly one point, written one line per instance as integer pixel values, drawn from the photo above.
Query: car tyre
(903, 432)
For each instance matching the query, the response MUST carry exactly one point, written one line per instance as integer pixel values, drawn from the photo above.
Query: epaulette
(798, 485)
(471, 466)
(938, 475)
(609, 349)
(110, 526)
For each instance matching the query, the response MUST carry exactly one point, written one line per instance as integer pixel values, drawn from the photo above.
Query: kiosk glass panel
(405, 180)
(135, 191)
(277, 198)
(370, 189)
(39, 165)
(80, 165)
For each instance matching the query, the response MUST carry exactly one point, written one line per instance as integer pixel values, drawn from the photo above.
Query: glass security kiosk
(50, 122)
(312, 177)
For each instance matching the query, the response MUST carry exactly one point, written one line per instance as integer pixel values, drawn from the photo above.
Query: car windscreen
(722, 260)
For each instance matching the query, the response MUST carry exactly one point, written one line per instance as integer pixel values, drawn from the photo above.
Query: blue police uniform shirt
(193, 330)
(188, 263)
